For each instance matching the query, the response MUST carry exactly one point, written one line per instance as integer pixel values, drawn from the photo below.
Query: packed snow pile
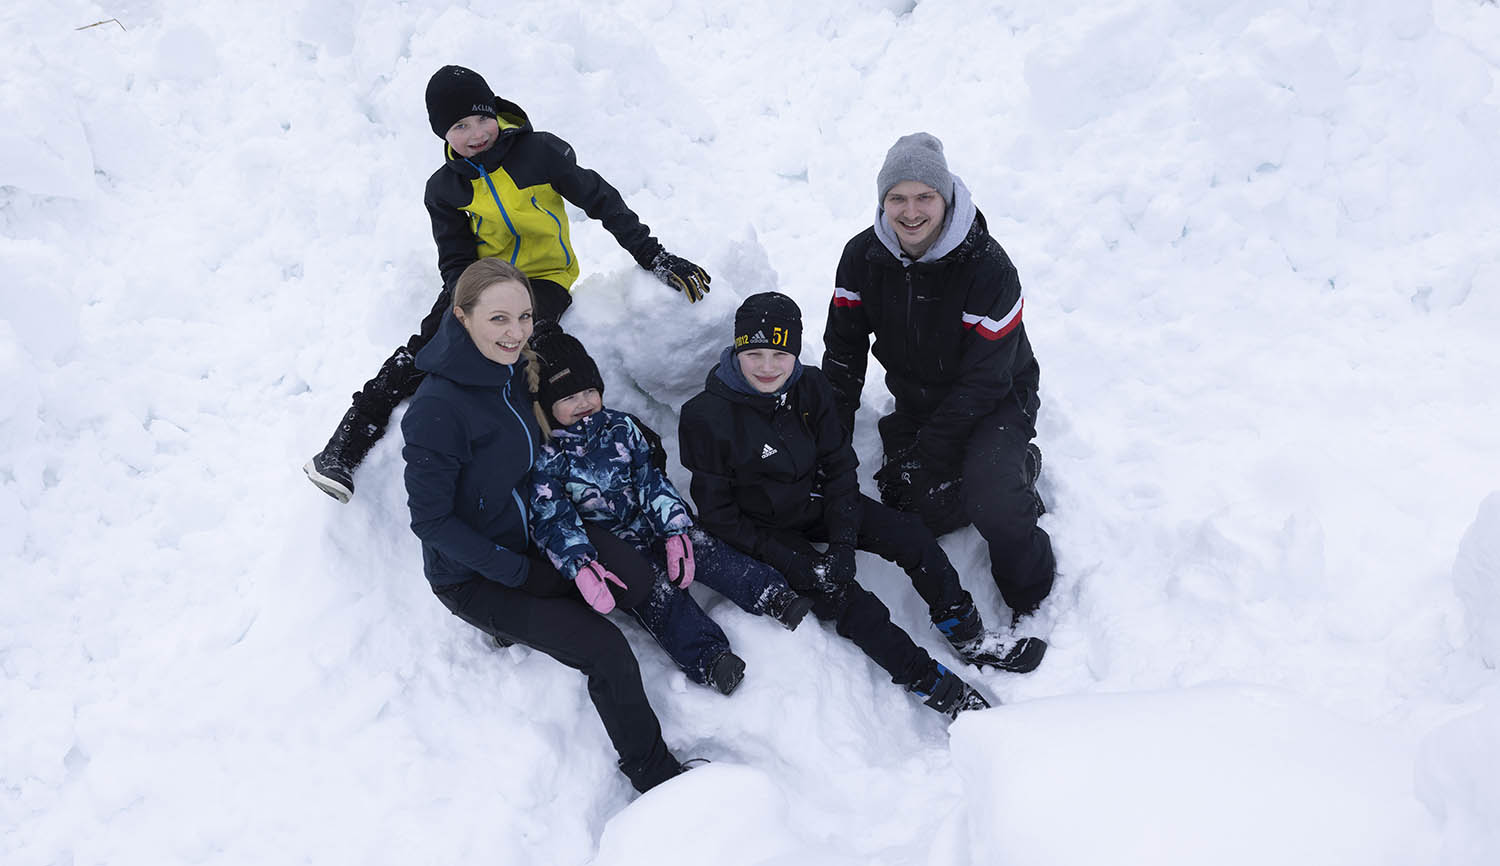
(1260, 247)
(1213, 774)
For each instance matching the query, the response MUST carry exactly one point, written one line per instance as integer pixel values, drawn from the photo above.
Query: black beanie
(566, 369)
(454, 93)
(769, 320)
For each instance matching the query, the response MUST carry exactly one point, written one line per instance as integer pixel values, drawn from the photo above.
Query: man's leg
(999, 492)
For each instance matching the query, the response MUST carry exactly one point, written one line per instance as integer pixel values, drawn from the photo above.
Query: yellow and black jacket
(508, 201)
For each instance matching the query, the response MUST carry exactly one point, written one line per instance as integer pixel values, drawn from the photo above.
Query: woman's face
(501, 321)
(766, 369)
(575, 406)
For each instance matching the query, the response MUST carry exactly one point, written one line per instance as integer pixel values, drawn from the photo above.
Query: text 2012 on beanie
(768, 320)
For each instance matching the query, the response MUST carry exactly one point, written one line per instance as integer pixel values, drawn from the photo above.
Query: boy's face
(577, 406)
(473, 134)
(766, 369)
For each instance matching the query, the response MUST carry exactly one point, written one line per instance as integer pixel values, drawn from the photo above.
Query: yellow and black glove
(681, 274)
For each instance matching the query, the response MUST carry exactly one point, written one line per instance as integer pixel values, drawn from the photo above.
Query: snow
(1260, 249)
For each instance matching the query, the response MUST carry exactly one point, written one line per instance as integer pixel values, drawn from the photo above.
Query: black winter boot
(726, 673)
(788, 607)
(332, 469)
(961, 625)
(1033, 467)
(947, 693)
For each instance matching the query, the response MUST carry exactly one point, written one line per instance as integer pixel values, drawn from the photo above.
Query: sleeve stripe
(994, 329)
(842, 297)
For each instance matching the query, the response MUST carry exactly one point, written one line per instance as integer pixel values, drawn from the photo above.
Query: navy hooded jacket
(471, 440)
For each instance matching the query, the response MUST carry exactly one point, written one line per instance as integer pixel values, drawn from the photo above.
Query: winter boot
(788, 607)
(726, 673)
(1033, 468)
(961, 625)
(332, 469)
(948, 694)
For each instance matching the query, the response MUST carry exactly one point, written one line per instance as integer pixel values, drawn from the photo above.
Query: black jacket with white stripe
(947, 330)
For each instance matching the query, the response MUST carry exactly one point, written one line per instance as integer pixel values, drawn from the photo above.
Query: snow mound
(1217, 774)
(1476, 578)
(718, 813)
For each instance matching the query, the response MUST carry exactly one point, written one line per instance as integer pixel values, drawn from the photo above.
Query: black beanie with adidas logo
(769, 320)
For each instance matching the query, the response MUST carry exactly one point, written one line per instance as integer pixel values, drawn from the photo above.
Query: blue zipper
(504, 214)
(567, 257)
(530, 450)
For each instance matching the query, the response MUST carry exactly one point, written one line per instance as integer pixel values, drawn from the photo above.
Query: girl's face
(501, 322)
(473, 134)
(766, 369)
(576, 406)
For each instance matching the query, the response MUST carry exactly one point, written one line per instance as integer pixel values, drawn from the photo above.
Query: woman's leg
(567, 630)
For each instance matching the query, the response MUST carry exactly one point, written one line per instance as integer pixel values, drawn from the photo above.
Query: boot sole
(328, 485)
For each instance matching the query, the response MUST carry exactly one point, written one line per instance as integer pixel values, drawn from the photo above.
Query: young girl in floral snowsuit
(612, 468)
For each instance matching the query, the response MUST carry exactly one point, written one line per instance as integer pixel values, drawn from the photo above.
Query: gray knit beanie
(918, 157)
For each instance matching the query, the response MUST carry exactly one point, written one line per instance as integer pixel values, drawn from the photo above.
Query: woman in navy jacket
(472, 434)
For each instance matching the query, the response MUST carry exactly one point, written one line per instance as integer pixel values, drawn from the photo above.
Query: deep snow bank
(1222, 774)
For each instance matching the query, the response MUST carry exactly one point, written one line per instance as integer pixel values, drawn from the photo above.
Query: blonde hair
(471, 284)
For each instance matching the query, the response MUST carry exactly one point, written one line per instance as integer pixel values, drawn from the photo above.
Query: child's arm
(601, 201)
(837, 461)
(456, 245)
(664, 507)
(556, 526)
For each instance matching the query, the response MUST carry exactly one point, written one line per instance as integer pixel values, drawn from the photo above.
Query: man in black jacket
(773, 471)
(943, 302)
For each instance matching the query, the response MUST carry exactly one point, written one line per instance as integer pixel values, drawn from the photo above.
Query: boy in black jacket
(499, 193)
(773, 471)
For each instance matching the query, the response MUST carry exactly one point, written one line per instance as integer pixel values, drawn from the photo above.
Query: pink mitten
(680, 560)
(591, 583)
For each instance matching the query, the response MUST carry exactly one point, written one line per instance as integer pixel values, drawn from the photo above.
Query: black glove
(809, 572)
(907, 484)
(897, 479)
(681, 274)
(840, 563)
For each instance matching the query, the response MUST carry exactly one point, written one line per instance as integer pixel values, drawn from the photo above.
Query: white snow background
(1261, 249)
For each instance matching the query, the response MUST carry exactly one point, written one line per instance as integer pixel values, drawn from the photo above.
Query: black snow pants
(999, 498)
(547, 614)
(859, 615)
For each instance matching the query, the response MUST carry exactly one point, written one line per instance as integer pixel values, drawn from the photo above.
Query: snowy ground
(1260, 247)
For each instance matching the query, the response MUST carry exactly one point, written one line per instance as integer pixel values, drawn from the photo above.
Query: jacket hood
(513, 123)
(956, 225)
(451, 353)
(727, 379)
